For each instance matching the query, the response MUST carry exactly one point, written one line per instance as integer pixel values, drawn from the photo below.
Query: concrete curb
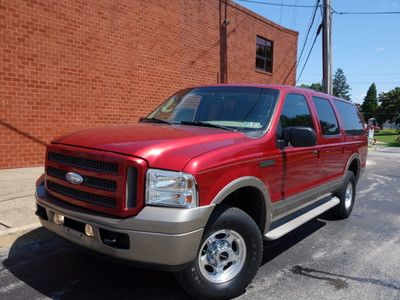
(20, 229)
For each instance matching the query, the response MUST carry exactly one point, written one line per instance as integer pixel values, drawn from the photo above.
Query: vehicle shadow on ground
(59, 270)
(275, 248)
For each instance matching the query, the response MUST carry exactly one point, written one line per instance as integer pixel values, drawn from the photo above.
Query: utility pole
(327, 48)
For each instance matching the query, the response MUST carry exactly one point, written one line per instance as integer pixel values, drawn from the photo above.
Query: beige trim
(150, 219)
(158, 235)
(248, 181)
(349, 161)
(300, 220)
(291, 204)
(145, 247)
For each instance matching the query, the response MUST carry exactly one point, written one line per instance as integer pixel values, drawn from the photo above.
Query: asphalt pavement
(357, 258)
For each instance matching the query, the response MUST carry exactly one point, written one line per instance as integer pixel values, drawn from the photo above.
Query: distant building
(69, 65)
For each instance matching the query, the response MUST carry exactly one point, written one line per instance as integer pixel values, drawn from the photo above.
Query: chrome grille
(81, 195)
(94, 182)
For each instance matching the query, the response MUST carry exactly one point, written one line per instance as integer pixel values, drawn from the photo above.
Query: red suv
(199, 183)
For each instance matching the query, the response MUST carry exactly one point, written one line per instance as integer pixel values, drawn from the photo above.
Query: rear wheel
(228, 258)
(346, 195)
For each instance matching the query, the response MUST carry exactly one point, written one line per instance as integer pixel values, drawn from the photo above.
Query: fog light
(58, 219)
(89, 230)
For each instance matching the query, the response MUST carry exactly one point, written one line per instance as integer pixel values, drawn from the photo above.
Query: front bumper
(160, 237)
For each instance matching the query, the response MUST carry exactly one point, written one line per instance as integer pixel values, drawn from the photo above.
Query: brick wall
(68, 65)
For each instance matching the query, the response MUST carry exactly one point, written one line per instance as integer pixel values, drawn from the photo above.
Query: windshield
(247, 109)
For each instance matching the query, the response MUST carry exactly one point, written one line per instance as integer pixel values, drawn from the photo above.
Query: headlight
(168, 188)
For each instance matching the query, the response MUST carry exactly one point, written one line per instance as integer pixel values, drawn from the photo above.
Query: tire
(228, 258)
(346, 195)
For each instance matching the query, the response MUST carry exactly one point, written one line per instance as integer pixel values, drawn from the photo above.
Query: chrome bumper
(160, 236)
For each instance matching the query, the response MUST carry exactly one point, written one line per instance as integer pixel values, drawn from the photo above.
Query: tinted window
(263, 54)
(352, 122)
(326, 116)
(295, 112)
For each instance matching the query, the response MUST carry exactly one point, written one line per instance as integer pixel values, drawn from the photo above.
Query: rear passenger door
(330, 140)
(300, 165)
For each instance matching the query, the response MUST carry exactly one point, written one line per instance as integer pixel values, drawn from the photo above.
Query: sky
(366, 47)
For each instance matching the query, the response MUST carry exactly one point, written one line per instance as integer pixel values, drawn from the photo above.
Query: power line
(309, 53)
(360, 74)
(294, 17)
(280, 14)
(277, 4)
(308, 30)
(297, 61)
(365, 12)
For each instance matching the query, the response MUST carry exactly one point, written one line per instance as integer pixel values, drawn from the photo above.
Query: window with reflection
(264, 49)
(326, 116)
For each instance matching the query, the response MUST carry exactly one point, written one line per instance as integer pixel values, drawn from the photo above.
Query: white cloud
(380, 49)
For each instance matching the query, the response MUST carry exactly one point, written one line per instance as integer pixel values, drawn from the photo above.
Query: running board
(285, 228)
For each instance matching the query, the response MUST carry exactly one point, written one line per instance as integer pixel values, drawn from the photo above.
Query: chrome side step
(285, 228)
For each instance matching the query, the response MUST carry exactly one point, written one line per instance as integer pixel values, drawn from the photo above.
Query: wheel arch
(259, 207)
(354, 165)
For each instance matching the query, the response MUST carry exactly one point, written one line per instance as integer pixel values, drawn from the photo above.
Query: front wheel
(228, 258)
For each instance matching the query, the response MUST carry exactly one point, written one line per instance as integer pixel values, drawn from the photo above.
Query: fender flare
(248, 181)
(354, 156)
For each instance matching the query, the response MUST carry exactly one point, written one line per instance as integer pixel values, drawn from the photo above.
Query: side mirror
(299, 136)
(141, 119)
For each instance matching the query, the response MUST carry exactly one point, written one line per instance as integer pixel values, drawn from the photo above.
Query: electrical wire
(309, 53)
(364, 12)
(294, 17)
(280, 14)
(308, 30)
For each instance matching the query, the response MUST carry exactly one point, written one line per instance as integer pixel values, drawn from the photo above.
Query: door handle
(315, 151)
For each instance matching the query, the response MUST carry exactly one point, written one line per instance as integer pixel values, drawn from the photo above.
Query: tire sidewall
(349, 178)
(237, 220)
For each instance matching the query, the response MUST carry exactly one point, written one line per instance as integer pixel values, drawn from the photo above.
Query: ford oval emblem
(74, 178)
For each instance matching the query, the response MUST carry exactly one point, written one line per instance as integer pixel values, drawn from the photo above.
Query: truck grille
(81, 195)
(83, 163)
(94, 182)
(111, 183)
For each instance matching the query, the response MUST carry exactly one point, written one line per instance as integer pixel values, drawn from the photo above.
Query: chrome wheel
(222, 255)
(348, 196)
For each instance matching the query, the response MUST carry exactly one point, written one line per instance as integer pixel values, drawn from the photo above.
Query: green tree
(314, 86)
(370, 104)
(340, 86)
(389, 108)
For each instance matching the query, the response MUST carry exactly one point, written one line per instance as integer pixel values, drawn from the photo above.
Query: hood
(161, 145)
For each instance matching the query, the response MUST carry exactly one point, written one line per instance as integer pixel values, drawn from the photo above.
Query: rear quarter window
(326, 116)
(352, 122)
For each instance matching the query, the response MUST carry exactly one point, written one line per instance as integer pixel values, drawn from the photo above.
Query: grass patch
(387, 132)
(390, 140)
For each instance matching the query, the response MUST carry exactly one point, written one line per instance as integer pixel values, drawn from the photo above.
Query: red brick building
(73, 64)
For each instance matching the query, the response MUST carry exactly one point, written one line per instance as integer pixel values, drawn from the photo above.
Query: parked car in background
(200, 182)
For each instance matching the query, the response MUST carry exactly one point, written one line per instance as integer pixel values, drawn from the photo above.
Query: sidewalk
(17, 200)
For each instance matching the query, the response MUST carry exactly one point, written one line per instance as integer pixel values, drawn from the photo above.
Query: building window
(263, 54)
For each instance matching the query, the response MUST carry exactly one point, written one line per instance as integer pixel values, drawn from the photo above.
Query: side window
(352, 122)
(295, 112)
(326, 116)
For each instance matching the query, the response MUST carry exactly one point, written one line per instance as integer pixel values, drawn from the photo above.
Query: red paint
(214, 156)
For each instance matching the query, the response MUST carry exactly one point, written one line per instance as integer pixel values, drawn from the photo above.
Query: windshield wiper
(155, 120)
(205, 124)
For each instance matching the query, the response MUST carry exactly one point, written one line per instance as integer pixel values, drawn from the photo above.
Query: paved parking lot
(358, 258)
